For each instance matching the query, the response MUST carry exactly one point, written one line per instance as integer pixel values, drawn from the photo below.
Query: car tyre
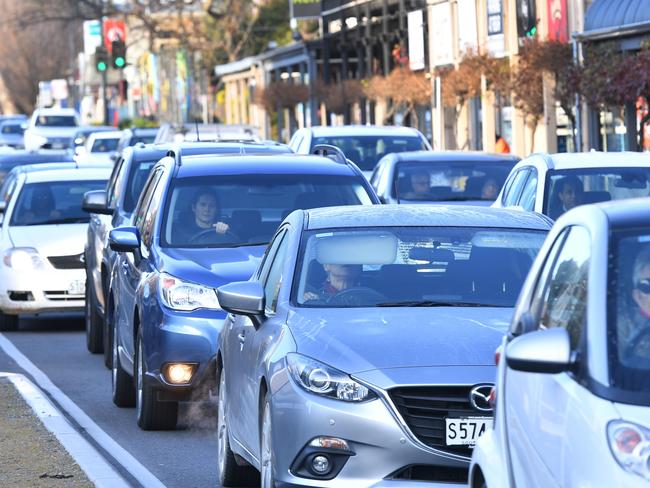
(230, 473)
(266, 447)
(123, 390)
(151, 413)
(93, 323)
(8, 323)
(107, 334)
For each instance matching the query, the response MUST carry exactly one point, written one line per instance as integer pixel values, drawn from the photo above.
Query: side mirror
(543, 351)
(95, 202)
(243, 298)
(124, 239)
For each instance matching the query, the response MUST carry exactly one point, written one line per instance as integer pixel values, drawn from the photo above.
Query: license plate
(57, 145)
(465, 431)
(77, 287)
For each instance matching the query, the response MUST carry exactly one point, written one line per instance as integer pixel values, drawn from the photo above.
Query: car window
(295, 141)
(274, 279)
(112, 182)
(8, 187)
(267, 259)
(528, 194)
(143, 203)
(563, 298)
(151, 213)
(55, 121)
(102, 145)
(512, 193)
(414, 266)
(134, 182)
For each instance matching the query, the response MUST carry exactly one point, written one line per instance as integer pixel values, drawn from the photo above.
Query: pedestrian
(501, 146)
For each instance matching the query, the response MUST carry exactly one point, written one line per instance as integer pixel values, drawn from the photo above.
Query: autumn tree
(528, 86)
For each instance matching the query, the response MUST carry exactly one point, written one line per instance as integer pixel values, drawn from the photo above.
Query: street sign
(92, 36)
(114, 30)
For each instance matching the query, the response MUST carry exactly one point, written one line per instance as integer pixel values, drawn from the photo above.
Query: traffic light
(118, 54)
(101, 59)
(526, 18)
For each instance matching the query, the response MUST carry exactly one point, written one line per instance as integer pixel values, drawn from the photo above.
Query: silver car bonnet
(59, 240)
(354, 340)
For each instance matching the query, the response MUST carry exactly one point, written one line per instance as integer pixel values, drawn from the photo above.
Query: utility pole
(104, 73)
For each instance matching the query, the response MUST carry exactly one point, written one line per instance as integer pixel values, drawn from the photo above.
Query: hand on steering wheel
(635, 339)
(229, 235)
(356, 296)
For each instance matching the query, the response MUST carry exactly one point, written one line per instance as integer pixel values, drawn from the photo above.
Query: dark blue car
(201, 222)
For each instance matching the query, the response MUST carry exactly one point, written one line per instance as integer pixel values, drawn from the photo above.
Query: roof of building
(424, 215)
(616, 17)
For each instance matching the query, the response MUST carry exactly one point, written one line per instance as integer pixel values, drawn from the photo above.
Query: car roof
(70, 174)
(626, 213)
(113, 134)
(142, 152)
(423, 216)
(288, 163)
(12, 121)
(25, 157)
(363, 130)
(595, 159)
(451, 156)
(29, 168)
(55, 111)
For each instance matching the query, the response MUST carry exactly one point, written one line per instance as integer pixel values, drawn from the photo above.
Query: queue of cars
(350, 343)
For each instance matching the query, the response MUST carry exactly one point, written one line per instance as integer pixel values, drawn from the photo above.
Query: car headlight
(183, 295)
(321, 379)
(630, 444)
(23, 259)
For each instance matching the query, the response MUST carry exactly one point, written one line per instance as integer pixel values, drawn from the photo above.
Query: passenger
(567, 194)
(339, 277)
(638, 321)
(205, 208)
(42, 207)
(490, 189)
(420, 186)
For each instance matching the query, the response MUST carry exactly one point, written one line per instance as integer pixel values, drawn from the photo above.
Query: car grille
(62, 296)
(75, 261)
(424, 409)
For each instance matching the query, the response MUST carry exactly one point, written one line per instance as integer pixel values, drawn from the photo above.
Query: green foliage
(137, 122)
(271, 25)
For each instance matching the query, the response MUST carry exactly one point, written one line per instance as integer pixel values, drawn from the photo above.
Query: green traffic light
(532, 32)
(101, 66)
(120, 62)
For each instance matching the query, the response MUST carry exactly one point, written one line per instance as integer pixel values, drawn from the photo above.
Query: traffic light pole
(104, 74)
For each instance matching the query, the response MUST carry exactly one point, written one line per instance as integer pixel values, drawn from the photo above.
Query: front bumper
(181, 337)
(50, 290)
(382, 450)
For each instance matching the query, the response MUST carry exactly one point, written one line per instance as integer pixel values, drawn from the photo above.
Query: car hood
(364, 339)
(61, 240)
(212, 266)
(53, 131)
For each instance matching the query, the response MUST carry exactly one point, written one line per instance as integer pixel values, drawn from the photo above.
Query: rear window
(56, 121)
(104, 145)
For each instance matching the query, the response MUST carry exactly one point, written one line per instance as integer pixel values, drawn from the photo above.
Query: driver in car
(636, 328)
(339, 277)
(205, 208)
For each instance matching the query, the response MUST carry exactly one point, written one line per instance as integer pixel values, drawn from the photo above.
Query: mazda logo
(479, 398)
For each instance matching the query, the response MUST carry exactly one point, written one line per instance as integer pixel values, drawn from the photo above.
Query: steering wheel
(356, 296)
(227, 236)
(635, 339)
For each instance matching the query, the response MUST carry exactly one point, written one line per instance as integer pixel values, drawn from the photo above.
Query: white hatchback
(42, 238)
(572, 397)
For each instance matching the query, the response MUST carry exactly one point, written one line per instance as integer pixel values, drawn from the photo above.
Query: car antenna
(196, 123)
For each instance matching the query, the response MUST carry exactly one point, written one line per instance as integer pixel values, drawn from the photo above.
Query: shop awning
(608, 19)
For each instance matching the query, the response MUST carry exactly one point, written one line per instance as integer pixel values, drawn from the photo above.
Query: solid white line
(121, 455)
(98, 470)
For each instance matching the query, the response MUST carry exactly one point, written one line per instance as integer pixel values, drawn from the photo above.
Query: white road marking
(98, 470)
(121, 455)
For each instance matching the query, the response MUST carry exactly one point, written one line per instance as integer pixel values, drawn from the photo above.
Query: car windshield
(138, 174)
(365, 151)
(55, 202)
(414, 267)
(569, 188)
(104, 145)
(629, 311)
(226, 211)
(56, 121)
(449, 180)
(12, 129)
(144, 139)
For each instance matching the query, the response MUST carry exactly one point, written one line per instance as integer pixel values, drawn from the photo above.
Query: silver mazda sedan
(361, 353)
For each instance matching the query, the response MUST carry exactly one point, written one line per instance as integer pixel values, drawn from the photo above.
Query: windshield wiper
(431, 303)
(67, 220)
(464, 199)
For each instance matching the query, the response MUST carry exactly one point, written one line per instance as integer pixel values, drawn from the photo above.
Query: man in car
(205, 209)
(339, 277)
(568, 194)
(490, 189)
(420, 185)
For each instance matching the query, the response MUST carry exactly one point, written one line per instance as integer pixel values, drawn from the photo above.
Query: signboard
(467, 28)
(557, 21)
(92, 36)
(496, 38)
(304, 9)
(114, 30)
(416, 40)
(441, 36)
(59, 89)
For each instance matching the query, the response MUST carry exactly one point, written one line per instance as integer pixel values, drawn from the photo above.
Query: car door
(131, 268)
(527, 197)
(241, 330)
(513, 187)
(539, 406)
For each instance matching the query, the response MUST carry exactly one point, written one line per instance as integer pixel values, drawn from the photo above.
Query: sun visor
(366, 249)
